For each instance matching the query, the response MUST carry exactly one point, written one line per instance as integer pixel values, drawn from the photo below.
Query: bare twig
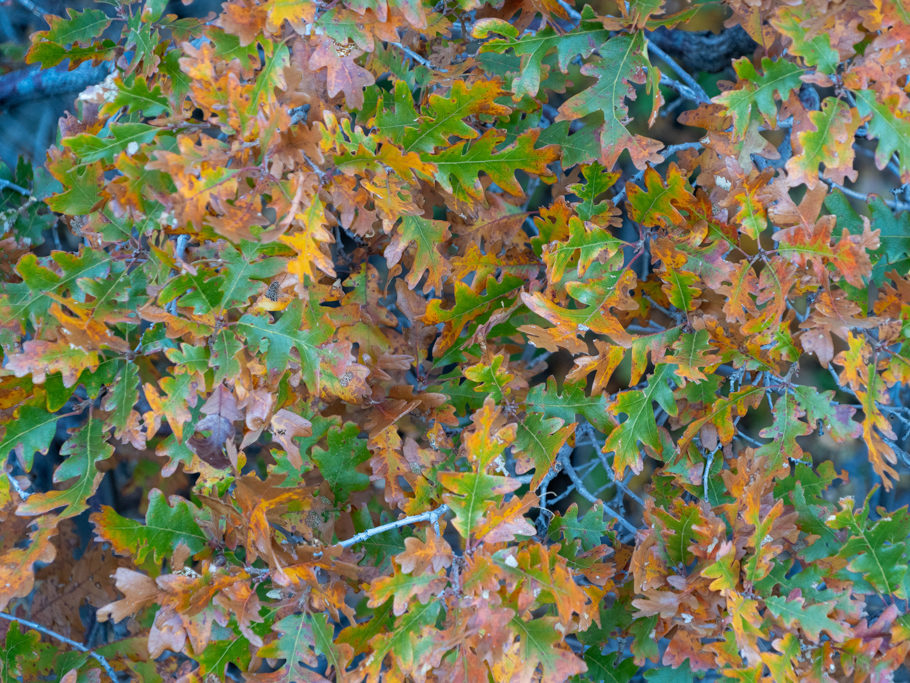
(703, 50)
(417, 58)
(892, 204)
(681, 88)
(14, 484)
(72, 643)
(431, 516)
(7, 185)
(33, 7)
(34, 83)
(698, 93)
(573, 14)
(585, 430)
(565, 457)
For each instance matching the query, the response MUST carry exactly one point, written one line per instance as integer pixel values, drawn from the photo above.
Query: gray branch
(35, 83)
(72, 643)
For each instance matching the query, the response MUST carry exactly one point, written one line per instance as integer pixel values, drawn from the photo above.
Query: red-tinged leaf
(17, 565)
(658, 204)
(180, 394)
(404, 644)
(81, 188)
(286, 426)
(387, 464)
(506, 522)
(657, 603)
(432, 555)
(402, 588)
(721, 413)
(427, 235)
(831, 144)
(241, 600)
(623, 62)
(812, 243)
(165, 528)
(603, 364)
(538, 568)
(821, 409)
(756, 92)
(599, 297)
(343, 74)
(739, 304)
(40, 358)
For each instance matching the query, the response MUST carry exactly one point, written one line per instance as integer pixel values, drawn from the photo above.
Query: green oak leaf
(166, 526)
(83, 450)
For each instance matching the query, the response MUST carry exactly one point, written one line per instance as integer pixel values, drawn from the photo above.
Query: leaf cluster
(430, 353)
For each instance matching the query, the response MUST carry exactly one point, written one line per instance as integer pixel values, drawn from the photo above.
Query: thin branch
(72, 643)
(571, 11)
(681, 88)
(417, 58)
(564, 456)
(7, 185)
(431, 516)
(14, 484)
(699, 94)
(587, 431)
(34, 83)
(709, 461)
(703, 50)
(33, 7)
(892, 204)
